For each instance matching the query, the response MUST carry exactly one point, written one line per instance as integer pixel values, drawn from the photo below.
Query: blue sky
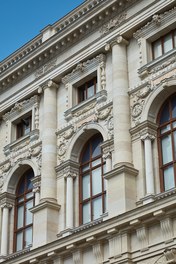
(22, 20)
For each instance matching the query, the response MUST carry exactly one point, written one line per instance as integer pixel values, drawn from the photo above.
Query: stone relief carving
(113, 23)
(21, 106)
(156, 20)
(33, 151)
(93, 113)
(45, 68)
(138, 100)
(82, 66)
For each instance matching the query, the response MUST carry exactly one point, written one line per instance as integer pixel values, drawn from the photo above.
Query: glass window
(23, 216)
(24, 126)
(92, 183)
(87, 90)
(164, 44)
(167, 143)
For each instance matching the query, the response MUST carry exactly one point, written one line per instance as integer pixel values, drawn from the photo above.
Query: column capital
(47, 84)
(119, 40)
(148, 136)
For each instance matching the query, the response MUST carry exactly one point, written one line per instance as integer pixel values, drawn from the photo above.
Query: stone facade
(112, 42)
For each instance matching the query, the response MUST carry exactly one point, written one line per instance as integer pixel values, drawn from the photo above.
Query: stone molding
(93, 113)
(113, 23)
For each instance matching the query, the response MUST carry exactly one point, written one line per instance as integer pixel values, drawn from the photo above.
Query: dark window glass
(167, 143)
(92, 183)
(87, 90)
(23, 216)
(24, 127)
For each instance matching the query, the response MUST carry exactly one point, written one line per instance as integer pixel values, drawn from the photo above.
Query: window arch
(167, 143)
(92, 183)
(23, 217)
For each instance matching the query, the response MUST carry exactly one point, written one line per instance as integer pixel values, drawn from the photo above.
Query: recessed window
(23, 127)
(87, 90)
(92, 183)
(23, 217)
(164, 44)
(167, 144)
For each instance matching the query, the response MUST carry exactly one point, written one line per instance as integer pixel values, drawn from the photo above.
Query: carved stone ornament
(113, 23)
(84, 66)
(138, 100)
(45, 68)
(21, 106)
(156, 21)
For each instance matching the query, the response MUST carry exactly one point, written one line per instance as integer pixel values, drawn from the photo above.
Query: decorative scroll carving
(113, 23)
(93, 112)
(138, 100)
(21, 106)
(45, 68)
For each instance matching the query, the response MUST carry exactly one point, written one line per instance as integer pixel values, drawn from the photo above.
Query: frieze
(45, 68)
(156, 20)
(113, 23)
(84, 66)
(21, 106)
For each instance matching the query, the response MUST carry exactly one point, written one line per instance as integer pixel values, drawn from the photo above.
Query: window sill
(83, 106)
(21, 142)
(157, 64)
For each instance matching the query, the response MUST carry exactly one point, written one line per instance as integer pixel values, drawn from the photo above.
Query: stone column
(5, 228)
(36, 181)
(69, 201)
(149, 175)
(121, 105)
(49, 143)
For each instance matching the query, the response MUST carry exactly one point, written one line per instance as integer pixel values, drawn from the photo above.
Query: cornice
(67, 31)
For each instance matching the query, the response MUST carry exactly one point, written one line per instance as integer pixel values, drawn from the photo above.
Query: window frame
(162, 42)
(92, 197)
(23, 179)
(20, 126)
(160, 135)
(82, 91)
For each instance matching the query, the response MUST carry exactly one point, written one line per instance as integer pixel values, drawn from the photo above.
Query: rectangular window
(87, 90)
(23, 127)
(164, 44)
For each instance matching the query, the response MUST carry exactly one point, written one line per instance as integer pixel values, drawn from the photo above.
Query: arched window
(92, 183)
(167, 143)
(23, 216)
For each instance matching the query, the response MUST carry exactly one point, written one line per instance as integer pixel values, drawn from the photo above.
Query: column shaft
(49, 144)
(4, 234)
(121, 108)
(69, 203)
(149, 166)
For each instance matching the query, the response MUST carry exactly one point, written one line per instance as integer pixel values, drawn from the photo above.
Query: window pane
(166, 149)
(169, 178)
(168, 43)
(165, 114)
(19, 242)
(90, 91)
(21, 188)
(173, 103)
(86, 213)
(97, 208)
(96, 150)
(157, 49)
(86, 154)
(96, 162)
(96, 181)
(174, 143)
(28, 236)
(86, 186)
(85, 167)
(165, 129)
(20, 217)
(28, 213)
(175, 39)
